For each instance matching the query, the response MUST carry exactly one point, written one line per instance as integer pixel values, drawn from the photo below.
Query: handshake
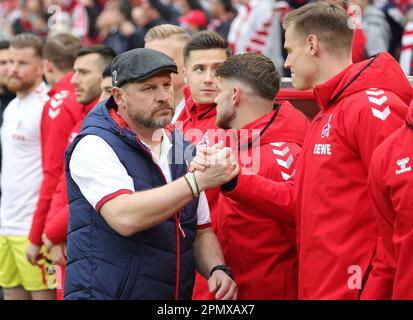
(213, 166)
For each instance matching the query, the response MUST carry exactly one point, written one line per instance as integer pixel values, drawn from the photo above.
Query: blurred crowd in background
(249, 25)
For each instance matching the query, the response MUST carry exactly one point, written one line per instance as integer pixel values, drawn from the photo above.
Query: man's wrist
(199, 178)
(224, 268)
(34, 244)
(230, 185)
(192, 183)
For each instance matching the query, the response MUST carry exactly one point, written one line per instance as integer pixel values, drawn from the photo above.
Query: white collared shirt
(178, 110)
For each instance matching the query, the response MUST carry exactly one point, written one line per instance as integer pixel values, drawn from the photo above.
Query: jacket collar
(63, 84)
(256, 129)
(88, 107)
(198, 111)
(380, 71)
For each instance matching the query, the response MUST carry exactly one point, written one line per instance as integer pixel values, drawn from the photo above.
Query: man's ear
(312, 44)
(48, 66)
(236, 96)
(117, 94)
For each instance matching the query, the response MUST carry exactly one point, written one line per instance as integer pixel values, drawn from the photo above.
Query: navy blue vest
(102, 264)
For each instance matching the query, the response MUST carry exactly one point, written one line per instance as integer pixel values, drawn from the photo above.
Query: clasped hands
(214, 165)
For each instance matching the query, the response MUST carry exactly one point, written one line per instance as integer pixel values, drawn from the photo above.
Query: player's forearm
(208, 251)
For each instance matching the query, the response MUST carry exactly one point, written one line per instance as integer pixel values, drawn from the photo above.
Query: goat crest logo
(326, 129)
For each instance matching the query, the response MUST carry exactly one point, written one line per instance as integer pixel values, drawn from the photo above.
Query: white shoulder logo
(284, 159)
(402, 163)
(55, 103)
(378, 98)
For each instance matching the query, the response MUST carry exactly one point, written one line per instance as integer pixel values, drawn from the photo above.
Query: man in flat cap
(139, 223)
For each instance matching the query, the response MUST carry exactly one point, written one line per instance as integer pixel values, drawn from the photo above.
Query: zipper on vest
(178, 253)
(178, 221)
(178, 229)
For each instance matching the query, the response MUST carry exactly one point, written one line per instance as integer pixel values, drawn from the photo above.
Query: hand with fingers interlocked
(213, 166)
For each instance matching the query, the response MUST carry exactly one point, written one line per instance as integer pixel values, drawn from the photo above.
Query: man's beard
(3, 84)
(224, 120)
(154, 124)
(150, 122)
(16, 84)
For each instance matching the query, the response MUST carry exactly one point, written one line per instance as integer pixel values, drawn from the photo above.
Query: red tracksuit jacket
(60, 94)
(53, 143)
(58, 217)
(391, 191)
(336, 230)
(260, 250)
(70, 112)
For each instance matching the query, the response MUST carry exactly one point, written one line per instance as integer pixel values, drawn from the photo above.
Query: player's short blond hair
(327, 20)
(165, 31)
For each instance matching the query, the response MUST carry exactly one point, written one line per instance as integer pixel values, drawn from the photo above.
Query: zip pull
(182, 230)
(178, 220)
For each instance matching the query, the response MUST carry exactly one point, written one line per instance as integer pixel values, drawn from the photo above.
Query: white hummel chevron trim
(375, 93)
(382, 115)
(61, 95)
(378, 101)
(55, 103)
(277, 144)
(286, 176)
(286, 164)
(53, 114)
(281, 152)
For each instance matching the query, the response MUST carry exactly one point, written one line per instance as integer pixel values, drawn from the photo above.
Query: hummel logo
(402, 164)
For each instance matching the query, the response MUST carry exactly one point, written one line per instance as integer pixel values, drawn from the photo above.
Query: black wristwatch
(224, 268)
